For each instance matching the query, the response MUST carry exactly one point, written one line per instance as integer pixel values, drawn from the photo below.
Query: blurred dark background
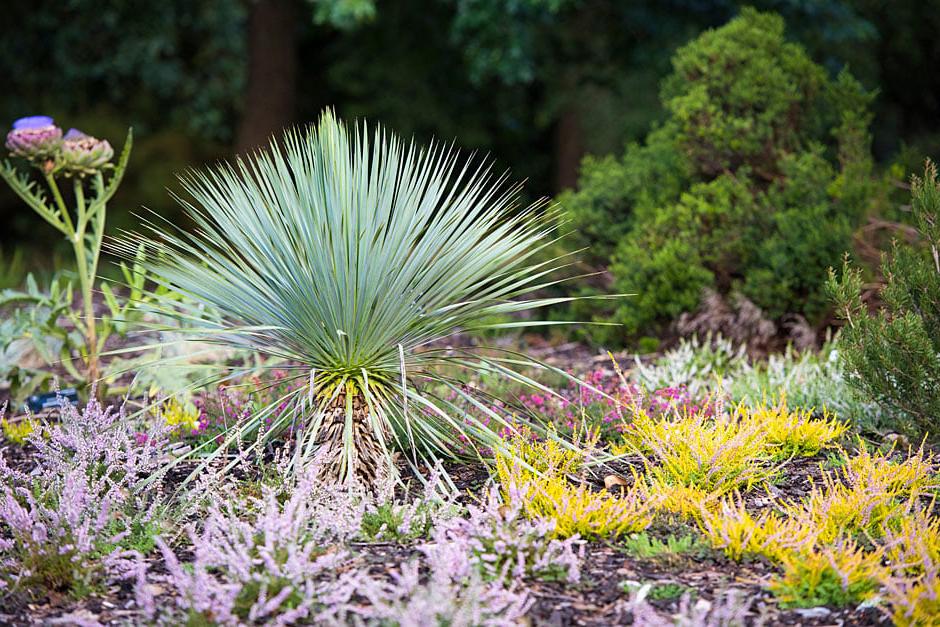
(536, 83)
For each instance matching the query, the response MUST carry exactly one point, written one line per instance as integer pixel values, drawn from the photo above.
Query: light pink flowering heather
(502, 544)
(388, 519)
(66, 522)
(263, 561)
(731, 608)
(452, 593)
(270, 567)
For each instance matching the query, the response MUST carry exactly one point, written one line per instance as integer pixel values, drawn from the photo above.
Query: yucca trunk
(367, 462)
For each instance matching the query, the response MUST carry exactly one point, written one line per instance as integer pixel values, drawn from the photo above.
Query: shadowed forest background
(538, 84)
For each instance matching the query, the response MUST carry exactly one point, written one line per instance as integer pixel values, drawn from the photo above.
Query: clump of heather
(268, 567)
(730, 608)
(451, 592)
(605, 401)
(276, 560)
(388, 519)
(502, 545)
(78, 517)
(596, 408)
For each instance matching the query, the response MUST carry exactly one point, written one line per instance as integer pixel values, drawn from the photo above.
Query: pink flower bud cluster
(39, 140)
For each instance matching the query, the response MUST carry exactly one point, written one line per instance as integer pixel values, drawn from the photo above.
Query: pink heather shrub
(603, 403)
(453, 593)
(388, 519)
(607, 402)
(268, 567)
(232, 404)
(503, 545)
(69, 524)
(281, 565)
(729, 609)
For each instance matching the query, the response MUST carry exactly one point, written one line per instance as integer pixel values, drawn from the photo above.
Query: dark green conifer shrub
(895, 353)
(753, 184)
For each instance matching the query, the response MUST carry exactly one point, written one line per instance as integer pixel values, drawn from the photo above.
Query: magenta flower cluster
(602, 400)
(230, 405)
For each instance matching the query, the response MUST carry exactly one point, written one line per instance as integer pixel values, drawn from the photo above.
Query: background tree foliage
(540, 84)
(753, 184)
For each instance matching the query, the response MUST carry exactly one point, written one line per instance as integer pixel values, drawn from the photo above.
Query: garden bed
(641, 577)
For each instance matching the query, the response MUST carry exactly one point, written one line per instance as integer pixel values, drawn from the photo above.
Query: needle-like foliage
(356, 255)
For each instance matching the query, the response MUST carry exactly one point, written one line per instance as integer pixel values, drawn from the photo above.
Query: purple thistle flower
(83, 154)
(35, 138)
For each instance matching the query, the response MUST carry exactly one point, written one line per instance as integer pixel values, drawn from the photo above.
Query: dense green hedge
(753, 184)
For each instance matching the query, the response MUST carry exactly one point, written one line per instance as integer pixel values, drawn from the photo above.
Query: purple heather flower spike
(33, 122)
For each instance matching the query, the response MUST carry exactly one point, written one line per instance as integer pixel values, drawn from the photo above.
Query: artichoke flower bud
(36, 138)
(83, 154)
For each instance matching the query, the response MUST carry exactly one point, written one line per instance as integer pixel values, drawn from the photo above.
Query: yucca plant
(356, 255)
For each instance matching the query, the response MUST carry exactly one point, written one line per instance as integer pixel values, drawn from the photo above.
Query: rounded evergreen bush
(753, 184)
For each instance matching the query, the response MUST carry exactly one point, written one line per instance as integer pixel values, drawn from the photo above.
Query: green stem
(87, 268)
(91, 330)
(60, 203)
(79, 201)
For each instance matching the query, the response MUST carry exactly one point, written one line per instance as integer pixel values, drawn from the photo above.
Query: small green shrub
(396, 522)
(838, 576)
(645, 546)
(896, 352)
(753, 185)
(669, 591)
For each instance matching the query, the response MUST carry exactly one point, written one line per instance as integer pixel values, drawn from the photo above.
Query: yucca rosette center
(356, 256)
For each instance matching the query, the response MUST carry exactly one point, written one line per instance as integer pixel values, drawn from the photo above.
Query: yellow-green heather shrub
(181, 417)
(543, 488)
(684, 501)
(590, 514)
(912, 587)
(731, 528)
(17, 432)
(916, 474)
(841, 574)
(914, 602)
(792, 432)
(717, 456)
